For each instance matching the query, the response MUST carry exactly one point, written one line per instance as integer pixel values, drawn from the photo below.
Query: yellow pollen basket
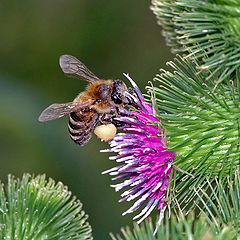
(105, 132)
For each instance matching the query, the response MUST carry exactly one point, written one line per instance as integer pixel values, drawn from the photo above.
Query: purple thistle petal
(147, 210)
(146, 163)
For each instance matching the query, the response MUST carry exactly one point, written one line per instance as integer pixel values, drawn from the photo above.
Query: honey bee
(99, 103)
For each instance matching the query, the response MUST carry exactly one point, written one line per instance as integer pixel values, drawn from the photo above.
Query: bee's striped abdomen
(81, 125)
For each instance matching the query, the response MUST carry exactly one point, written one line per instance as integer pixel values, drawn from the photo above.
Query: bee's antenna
(136, 101)
(140, 99)
(137, 90)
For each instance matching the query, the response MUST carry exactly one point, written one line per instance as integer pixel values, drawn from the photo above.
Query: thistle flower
(202, 124)
(145, 163)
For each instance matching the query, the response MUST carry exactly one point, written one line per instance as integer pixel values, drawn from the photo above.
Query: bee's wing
(58, 110)
(71, 66)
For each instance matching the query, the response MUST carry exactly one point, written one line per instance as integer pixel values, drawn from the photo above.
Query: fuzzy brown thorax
(103, 93)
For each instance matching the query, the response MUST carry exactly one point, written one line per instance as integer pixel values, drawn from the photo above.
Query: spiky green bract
(201, 122)
(38, 209)
(173, 229)
(204, 28)
(222, 206)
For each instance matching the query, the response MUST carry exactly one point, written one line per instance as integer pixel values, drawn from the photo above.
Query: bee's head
(118, 95)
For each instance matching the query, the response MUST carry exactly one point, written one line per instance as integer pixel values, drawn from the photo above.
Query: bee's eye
(116, 98)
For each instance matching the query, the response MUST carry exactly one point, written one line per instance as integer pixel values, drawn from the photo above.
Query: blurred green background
(110, 37)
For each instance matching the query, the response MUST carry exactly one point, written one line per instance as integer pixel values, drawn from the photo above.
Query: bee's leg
(111, 118)
(131, 90)
(135, 101)
(106, 118)
(117, 123)
(123, 111)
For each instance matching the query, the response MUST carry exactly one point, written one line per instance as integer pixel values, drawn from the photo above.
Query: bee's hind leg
(106, 118)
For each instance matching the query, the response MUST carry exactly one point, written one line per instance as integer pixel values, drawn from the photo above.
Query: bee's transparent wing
(58, 110)
(71, 66)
